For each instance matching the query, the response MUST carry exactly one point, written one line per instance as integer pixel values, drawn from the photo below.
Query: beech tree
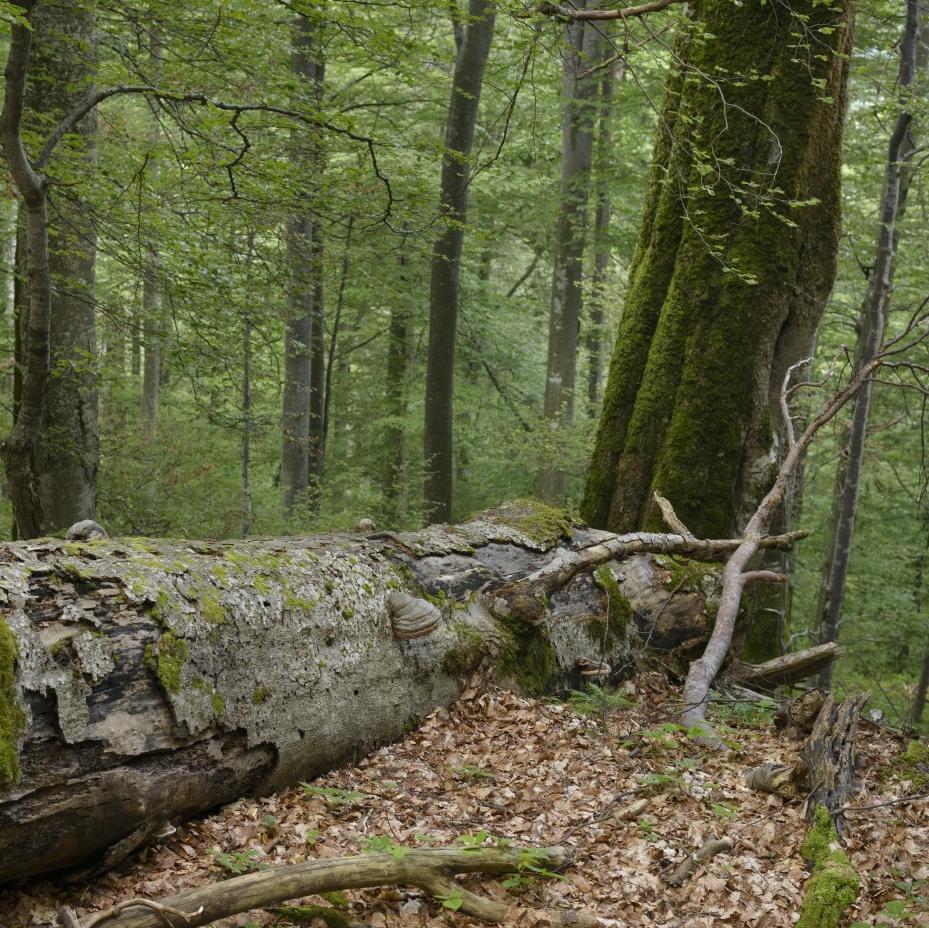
(735, 259)
(473, 39)
(52, 454)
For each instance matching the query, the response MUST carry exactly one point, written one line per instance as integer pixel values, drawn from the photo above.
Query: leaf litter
(624, 787)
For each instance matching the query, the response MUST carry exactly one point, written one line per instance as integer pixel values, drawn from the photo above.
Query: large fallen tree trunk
(147, 681)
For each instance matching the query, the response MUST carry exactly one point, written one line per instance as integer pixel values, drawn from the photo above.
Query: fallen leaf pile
(624, 787)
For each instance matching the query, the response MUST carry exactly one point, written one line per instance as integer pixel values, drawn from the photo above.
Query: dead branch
(708, 849)
(787, 669)
(430, 869)
(566, 564)
(629, 12)
(670, 516)
(703, 671)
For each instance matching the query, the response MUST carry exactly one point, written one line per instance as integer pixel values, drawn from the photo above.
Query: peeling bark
(160, 679)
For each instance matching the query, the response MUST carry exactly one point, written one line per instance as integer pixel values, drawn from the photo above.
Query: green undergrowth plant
(238, 862)
(598, 703)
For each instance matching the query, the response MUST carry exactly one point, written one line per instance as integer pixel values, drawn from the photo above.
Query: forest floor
(542, 773)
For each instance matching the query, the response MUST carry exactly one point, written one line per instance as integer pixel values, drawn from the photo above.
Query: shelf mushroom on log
(145, 681)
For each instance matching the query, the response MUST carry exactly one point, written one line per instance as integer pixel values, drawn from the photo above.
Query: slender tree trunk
(334, 340)
(725, 293)
(152, 309)
(872, 323)
(316, 440)
(473, 51)
(295, 419)
(51, 455)
(62, 67)
(577, 131)
(922, 687)
(397, 378)
(247, 392)
(601, 236)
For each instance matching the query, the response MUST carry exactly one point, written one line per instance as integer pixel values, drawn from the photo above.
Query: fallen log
(145, 681)
(787, 669)
(824, 774)
(431, 869)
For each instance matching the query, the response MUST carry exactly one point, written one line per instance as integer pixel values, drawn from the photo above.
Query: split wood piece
(785, 780)
(787, 669)
(670, 517)
(708, 849)
(829, 756)
(431, 869)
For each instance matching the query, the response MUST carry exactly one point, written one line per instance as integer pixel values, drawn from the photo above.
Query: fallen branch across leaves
(431, 869)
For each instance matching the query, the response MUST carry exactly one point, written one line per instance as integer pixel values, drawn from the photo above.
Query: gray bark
(872, 323)
(65, 460)
(601, 236)
(158, 680)
(570, 233)
(298, 327)
(152, 309)
(394, 478)
(468, 80)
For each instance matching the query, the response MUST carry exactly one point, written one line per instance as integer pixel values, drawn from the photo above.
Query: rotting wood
(709, 848)
(430, 869)
(787, 669)
(159, 680)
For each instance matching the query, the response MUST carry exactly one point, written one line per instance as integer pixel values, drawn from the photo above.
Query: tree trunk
(601, 237)
(871, 324)
(51, 454)
(62, 66)
(298, 327)
(583, 45)
(728, 281)
(146, 681)
(152, 310)
(467, 82)
(396, 384)
(316, 442)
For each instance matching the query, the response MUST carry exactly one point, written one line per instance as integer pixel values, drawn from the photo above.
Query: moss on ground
(12, 718)
(833, 885)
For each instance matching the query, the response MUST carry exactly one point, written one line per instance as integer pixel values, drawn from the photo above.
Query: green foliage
(239, 862)
(381, 844)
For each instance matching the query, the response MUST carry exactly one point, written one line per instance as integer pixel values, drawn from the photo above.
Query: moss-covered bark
(736, 256)
(833, 885)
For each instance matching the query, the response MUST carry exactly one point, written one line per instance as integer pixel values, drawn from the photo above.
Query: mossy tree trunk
(735, 259)
(146, 681)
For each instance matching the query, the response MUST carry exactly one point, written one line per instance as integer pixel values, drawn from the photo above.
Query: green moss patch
(12, 718)
(913, 764)
(619, 609)
(167, 658)
(833, 886)
(538, 521)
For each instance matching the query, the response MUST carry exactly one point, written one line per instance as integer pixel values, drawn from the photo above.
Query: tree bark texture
(871, 325)
(467, 83)
(52, 454)
(728, 281)
(298, 326)
(601, 237)
(145, 681)
(577, 131)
